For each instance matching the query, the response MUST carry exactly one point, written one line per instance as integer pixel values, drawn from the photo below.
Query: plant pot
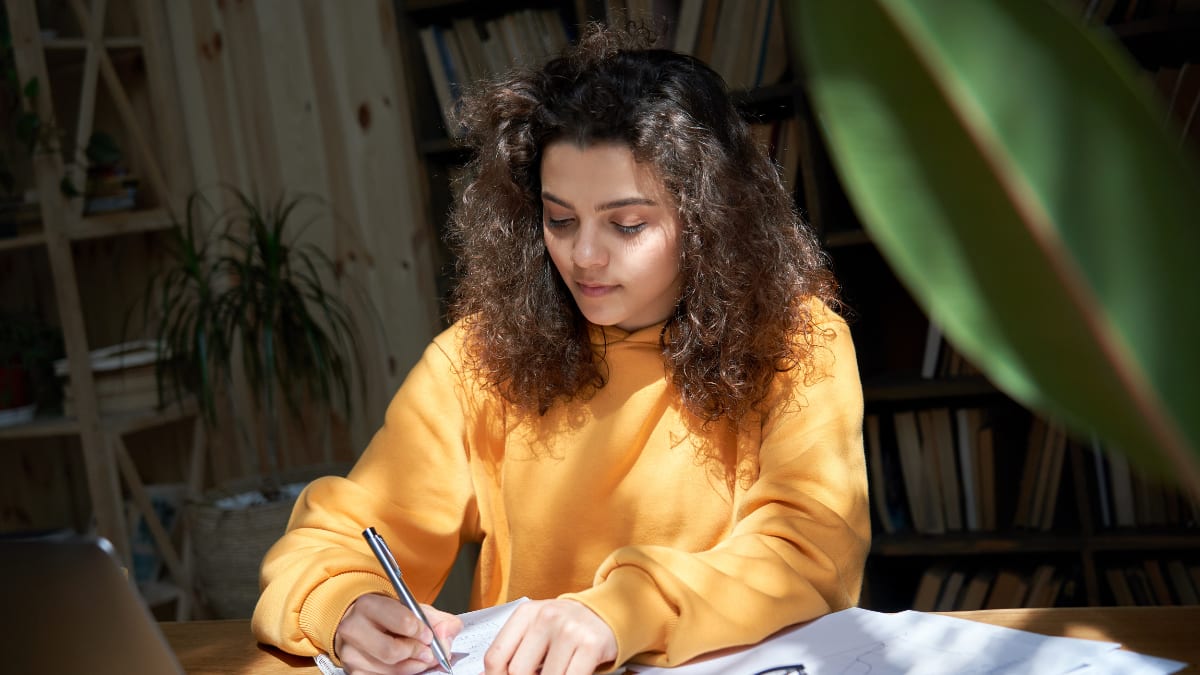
(229, 543)
(15, 389)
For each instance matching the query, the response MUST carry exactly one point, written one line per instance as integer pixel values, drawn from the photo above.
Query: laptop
(66, 606)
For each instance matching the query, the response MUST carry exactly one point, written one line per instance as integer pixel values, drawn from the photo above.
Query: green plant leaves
(193, 350)
(102, 150)
(301, 335)
(263, 292)
(1017, 176)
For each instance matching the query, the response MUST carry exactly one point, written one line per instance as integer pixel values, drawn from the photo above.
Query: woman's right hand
(378, 635)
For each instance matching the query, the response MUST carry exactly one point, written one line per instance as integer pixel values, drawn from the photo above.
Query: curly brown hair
(749, 264)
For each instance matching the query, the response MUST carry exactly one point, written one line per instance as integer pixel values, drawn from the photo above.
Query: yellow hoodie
(684, 538)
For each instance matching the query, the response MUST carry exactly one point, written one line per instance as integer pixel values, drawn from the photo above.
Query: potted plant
(20, 131)
(259, 303)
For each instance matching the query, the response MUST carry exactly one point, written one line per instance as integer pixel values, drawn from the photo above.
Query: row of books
(743, 40)
(946, 588)
(1122, 495)
(932, 470)
(941, 360)
(1042, 476)
(468, 50)
(1126, 498)
(1154, 582)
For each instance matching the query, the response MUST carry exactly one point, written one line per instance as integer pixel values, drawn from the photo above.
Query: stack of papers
(861, 641)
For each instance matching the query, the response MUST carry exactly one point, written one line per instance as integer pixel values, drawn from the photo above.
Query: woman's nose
(589, 250)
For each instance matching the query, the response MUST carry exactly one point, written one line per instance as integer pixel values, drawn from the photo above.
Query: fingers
(391, 616)
(378, 634)
(447, 626)
(497, 658)
(555, 637)
(356, 662)
(582, 659)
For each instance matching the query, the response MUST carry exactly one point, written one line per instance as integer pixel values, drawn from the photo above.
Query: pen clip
(391, 559)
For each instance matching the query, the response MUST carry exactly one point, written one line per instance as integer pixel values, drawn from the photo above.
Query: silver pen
(380, 548)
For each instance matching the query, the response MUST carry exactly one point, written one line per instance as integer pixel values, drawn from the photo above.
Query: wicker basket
(229, 544)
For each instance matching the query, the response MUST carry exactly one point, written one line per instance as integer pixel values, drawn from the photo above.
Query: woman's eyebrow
(627, 201)
(557, 200)
(606, 206)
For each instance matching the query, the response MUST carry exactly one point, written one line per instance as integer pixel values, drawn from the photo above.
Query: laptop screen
(69, 608)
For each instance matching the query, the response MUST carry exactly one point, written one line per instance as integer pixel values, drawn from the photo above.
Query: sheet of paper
(466, 654)
(861, 641)
(479, 629)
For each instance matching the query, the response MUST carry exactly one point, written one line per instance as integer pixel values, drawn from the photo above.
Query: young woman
(648, 413)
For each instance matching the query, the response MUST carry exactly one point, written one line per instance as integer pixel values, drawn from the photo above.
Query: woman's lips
(594, 290)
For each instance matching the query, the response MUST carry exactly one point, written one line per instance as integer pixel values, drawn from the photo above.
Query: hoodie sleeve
(322, 564)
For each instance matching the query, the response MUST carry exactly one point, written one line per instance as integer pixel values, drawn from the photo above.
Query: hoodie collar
(611, 335)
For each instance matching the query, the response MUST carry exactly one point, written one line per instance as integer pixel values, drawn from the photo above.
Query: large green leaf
(1017, 175)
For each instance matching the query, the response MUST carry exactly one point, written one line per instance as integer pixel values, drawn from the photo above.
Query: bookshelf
(1074, 523)
(1009, 501)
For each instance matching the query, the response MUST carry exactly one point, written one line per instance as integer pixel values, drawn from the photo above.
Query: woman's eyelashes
(559, 223)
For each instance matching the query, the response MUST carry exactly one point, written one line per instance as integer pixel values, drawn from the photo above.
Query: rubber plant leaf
(1017, 174)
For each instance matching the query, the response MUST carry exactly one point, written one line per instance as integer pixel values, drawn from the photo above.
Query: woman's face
(613, 233)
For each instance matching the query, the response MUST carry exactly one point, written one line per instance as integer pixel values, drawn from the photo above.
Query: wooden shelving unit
(86, 77)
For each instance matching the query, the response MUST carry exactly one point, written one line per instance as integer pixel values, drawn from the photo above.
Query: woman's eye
(555, 223)
(630, 229)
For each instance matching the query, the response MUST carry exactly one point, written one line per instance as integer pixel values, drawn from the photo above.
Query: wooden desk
(226, 647)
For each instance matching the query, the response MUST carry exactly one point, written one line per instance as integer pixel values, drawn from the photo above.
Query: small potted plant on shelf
(241, 291)
(19, 131)
(110, 187)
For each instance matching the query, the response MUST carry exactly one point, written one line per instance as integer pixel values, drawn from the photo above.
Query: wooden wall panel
(310, 97)
(201, 68)
(160, 65)
(294, 120)
(382, 242)
(250, 86)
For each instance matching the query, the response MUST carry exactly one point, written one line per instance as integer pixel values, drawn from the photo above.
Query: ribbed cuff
(325, 606)
(629, 602)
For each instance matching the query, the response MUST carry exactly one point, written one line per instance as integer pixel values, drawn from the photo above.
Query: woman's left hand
(557, 637)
